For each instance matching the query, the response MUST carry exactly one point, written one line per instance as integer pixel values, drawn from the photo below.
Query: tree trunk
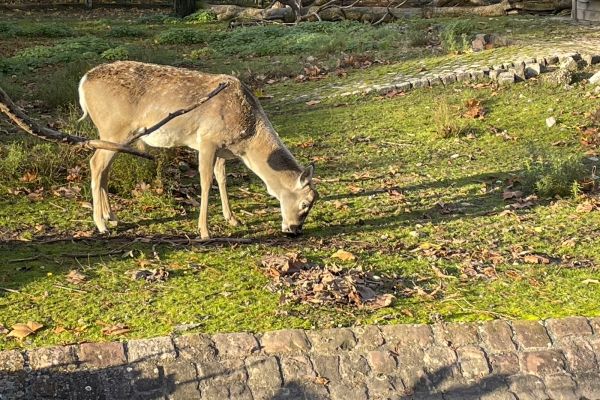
(183, 8)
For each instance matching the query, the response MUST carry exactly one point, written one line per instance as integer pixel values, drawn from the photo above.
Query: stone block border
(504, 73)
(550, 359)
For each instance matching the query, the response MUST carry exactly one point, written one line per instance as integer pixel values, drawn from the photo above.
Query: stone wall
(586, 10)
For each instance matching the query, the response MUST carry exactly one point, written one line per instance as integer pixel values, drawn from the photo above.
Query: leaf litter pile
(329, 285)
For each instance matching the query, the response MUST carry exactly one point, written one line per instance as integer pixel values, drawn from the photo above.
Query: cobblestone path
(552, 359)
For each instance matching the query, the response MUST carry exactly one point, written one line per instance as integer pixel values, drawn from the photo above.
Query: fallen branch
(30, 126)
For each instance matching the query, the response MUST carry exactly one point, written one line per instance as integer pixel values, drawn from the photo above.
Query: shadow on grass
(25, 261)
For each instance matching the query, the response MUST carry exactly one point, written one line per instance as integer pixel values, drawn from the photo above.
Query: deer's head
(296, 203)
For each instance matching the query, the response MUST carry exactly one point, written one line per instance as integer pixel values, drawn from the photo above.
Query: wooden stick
(10, 290)
(69, 289)
(30, 126)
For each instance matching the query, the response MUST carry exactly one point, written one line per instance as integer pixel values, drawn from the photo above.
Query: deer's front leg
(221, 178)
(206, 162)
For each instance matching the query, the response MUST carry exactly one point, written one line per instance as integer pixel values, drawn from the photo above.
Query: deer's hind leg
(221, 178)
(99, 167)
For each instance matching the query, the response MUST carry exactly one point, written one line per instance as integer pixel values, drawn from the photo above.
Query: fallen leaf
(321, 380)
(21, 331)
(512, 194)
(75, 277)
(58, 329)
(28, 177)
(343, 255)
(535, 259)
(585, 207)
(380, 301)
(312, 102)
(117, 329)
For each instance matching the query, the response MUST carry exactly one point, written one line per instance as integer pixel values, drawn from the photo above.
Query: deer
(125, 96)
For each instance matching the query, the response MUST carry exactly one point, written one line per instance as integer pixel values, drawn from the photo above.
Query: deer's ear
(306, 176)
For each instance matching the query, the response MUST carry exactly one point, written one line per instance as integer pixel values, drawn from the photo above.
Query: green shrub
(313, 38)
(116, 53)
(124, 31)
(63, 51)
(552, 175)
(457, 35)
(201, 16)
(50, 30)
(181, 36)
(5, 27)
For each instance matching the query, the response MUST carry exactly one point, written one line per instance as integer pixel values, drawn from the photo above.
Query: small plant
(201, 16)
(553, 175)
(200, 53)
(446, 122)
(457, 35)
(116, 53)
(124, 31)
(50, 30)
(63, 51)
(181, 36)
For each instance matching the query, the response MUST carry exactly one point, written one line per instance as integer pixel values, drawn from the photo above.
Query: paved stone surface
(514, 63)
(487, 360)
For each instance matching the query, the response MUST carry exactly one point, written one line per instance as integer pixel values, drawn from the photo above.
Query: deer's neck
(273, 163)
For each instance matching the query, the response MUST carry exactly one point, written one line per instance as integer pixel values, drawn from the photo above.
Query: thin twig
(29, 258)
(57, 206)
(10, 290)
(69, 289)
(473, 310)
(88, 255)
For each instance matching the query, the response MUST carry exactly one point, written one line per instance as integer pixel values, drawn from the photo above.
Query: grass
(420, 207)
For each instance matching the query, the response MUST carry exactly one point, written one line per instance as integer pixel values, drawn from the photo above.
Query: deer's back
(124, 96)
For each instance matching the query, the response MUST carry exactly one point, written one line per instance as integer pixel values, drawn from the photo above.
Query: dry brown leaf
(312, 102)
(406, 312)
(535, 259)
(508, 194)
(75, 277)
(58, 329)
(21, 331)
(321, 380)
(28, 177)
(585, 207)
(117, 329)
(343, 255)
(380, 301)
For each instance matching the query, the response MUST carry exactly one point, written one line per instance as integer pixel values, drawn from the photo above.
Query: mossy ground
(422, 210)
